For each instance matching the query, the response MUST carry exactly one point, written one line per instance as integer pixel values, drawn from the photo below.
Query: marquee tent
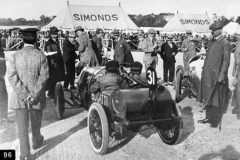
(232, 28)
(180, 23)
(92, 17)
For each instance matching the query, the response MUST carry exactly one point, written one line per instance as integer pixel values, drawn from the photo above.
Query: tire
(59, 100)
(171, 131)
(178, 87)
(98, 130)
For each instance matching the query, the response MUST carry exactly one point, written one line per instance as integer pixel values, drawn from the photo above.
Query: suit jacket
(191, 48)
(122, 51)
(166, 52)
(97, 47)
(150, 53)
(69, 49)
(28, 74)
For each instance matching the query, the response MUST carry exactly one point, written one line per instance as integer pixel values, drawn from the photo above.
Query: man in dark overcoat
(122, 51)
(97, 45)
(69, 57)
(55, 61)
(214, 79)
(28, 74)
(168, 52)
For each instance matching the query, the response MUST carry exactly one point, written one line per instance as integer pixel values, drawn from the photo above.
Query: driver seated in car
(109, 82)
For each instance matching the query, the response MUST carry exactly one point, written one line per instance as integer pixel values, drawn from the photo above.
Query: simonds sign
(94, 17)
(194, 21)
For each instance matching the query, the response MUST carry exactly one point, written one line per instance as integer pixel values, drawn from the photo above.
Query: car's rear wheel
(178, 87)
(98, 128)
(171, 131)
(59, 100)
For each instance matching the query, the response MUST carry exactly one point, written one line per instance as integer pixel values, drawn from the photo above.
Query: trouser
(185, 62)
(55, 75)
(3, 91)
(153, 64)
(22, 117)
(168, 68)
(70, 76)
(213, 114)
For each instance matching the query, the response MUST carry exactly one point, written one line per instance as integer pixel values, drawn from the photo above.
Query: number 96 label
(7, 154)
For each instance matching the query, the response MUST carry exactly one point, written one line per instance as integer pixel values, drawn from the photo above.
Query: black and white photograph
(119, 80)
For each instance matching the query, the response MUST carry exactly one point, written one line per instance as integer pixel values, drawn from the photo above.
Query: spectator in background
(140, 43)
(168, 53)
(97, 44)
(189, 51)
(150, 46)
(69, 57)
(55, 61)
(122, 51)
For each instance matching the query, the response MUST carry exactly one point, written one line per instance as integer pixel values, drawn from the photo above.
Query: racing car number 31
(151, 78)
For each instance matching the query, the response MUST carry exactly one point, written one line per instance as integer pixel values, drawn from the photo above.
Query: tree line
(44, 20)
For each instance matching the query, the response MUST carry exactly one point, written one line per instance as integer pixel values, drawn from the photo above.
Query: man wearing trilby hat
(168, 52)
(55, 61)
(28, 74)
(69, 57)
(213, 90)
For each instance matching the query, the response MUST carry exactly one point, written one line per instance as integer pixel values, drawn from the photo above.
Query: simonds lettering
(93, 17)
(194, 21)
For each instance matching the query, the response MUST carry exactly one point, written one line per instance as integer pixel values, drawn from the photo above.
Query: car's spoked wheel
(170, 131)
(98, 128)
(178, 87)
(59, 100)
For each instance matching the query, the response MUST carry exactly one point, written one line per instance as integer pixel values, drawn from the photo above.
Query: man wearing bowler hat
(213, 90)
(122, 51)
(69, 57)
(150, 46)
(168, 53)
(28, 74)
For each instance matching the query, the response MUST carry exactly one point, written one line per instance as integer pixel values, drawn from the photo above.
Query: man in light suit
(150, 46)
(189, 50)
(28, 73)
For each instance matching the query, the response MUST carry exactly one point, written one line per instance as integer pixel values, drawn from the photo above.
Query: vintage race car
(124, 109)
(189, 85)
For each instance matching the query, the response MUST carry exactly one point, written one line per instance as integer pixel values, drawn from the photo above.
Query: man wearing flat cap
(150, 47)
(86, 52)
(213, 90)
(168, 52)
(97, 44)
(28, 74)
(189, 50)
(122, 51)
(69, 57)
(110, 82)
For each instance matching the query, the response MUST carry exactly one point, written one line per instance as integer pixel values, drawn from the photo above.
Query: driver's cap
(112, 66)
(136, 67)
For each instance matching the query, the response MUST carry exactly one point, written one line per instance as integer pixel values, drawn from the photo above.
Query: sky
(33, 9)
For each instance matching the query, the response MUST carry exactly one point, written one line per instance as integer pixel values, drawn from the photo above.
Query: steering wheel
(122, 71)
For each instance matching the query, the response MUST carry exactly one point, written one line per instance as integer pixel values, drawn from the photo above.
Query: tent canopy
(232, 28)
(197, 23)
(92, 17)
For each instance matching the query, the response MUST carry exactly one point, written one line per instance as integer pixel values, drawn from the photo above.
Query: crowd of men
(36, 68)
